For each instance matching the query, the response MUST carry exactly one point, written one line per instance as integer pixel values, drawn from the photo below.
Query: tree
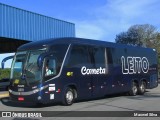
(139, 35)
(145, 32)
(4, 73)
(131, 37)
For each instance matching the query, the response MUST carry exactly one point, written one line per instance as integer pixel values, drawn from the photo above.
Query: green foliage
(138, 35)
(4, 73)
(130, 37)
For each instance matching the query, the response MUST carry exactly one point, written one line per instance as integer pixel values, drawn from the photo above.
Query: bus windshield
(25, 70)
(24, 67)
(17, 65)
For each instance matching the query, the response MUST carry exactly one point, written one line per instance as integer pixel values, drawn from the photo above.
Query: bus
(69, 69)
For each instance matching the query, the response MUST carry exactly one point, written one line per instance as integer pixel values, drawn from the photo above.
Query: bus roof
(70, 40)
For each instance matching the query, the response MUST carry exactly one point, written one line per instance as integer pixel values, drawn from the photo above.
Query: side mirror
(41, 58)
(5, 59)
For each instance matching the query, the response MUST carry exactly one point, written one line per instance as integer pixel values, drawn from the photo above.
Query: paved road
(148, 102)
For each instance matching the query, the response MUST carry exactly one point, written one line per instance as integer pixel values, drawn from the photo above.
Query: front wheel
(68, 97)
(134, 89)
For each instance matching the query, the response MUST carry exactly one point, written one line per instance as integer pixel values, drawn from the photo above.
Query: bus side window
(108, 59)
(50, 68)
(99, 57)
(78, 56)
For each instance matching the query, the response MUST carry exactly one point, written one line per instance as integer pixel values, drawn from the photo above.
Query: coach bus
(68, 69)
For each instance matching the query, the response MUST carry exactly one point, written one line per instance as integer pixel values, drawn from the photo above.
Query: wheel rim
(135, 89)
(69, 97)
(142, 87)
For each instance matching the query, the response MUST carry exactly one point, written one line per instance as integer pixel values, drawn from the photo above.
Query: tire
(68, 97)
(142, 88)
(134, 89)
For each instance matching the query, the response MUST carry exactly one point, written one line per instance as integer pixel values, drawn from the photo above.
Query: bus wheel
(134, 89)
(68, 97)
(142, 88)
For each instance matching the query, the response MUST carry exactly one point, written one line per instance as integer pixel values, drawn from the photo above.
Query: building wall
(24, 25)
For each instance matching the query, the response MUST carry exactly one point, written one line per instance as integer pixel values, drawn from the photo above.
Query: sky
(95, 19)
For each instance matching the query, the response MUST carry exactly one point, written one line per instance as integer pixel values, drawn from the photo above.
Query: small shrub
(4, 73)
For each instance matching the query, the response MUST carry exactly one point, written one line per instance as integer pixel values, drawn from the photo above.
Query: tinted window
(109, 56)
(59, 52)
(33, 73)
(99, 56)
(51, 69)
(116, 55)
(54, 62)
(78, 56)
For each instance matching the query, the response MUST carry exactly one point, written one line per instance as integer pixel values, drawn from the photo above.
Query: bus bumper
(40, 97)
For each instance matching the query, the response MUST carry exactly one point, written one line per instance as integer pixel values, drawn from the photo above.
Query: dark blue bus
(69, 69)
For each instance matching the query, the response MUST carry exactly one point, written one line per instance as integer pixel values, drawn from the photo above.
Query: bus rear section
(60, 71)
(139, 66)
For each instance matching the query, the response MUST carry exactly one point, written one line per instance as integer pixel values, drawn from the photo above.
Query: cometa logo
(86, 71)
(133, 65)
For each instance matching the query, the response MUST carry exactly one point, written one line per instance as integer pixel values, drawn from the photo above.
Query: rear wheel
(142, 88)
(134, 89)
(68, 97)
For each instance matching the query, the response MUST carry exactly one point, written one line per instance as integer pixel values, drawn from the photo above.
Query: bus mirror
(41, 59)
(5, 59)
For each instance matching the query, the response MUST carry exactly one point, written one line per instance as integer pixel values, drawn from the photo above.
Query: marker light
(59, 90)
(21, 98)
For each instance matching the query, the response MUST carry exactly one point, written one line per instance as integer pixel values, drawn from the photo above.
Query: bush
(4, 73)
